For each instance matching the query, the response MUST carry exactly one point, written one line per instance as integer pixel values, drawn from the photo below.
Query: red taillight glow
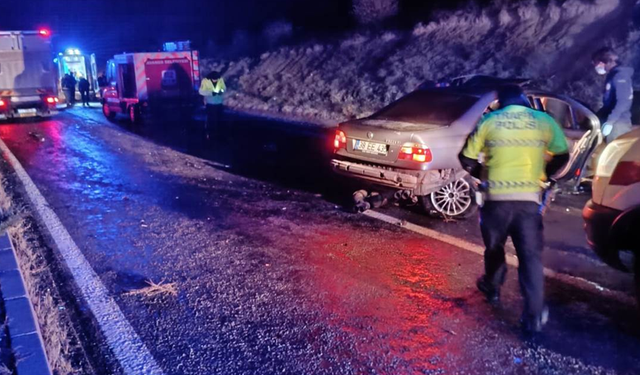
(418, 154)
(2, 103)
(44, 32)
(626, 173)
(340, 140)
(51, 100)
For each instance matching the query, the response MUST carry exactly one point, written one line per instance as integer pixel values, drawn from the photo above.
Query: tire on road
(107, 112)
(455, 200)
(135, 117)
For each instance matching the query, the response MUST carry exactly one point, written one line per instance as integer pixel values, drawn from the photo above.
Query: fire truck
(27, 76)
(148, 83)
(82, 66)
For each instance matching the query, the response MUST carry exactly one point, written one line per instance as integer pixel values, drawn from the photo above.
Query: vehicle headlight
(611, 155)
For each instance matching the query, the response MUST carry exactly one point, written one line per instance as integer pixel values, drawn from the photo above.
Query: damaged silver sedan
(412, 145)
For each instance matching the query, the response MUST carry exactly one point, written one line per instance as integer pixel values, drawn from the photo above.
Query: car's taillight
(51, 99)
(626, 173)
(340, 140)
(418, 153)
(2, 103)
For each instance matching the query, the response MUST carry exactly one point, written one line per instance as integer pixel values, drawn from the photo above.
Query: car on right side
(612, 216)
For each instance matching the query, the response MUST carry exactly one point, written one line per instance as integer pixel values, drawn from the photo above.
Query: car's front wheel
(455, 200)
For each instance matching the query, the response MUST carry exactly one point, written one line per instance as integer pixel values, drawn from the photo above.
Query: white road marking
(124, 342)
(512, 260)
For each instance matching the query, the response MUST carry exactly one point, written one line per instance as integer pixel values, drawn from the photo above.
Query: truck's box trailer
(27, 75)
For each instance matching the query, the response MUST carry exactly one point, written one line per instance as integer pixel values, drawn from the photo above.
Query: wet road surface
(274, 276)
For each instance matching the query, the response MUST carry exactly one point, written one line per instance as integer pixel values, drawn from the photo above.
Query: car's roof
(481, 90)
(461, 90)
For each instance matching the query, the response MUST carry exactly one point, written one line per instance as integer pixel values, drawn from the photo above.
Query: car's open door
(582, 129)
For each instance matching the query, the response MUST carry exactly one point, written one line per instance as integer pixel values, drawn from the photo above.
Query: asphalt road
(273, 275)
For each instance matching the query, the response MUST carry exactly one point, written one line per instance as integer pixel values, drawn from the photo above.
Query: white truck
(27, 75)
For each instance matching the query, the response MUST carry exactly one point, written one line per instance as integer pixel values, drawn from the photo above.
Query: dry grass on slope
(363, 71)
(65, 354)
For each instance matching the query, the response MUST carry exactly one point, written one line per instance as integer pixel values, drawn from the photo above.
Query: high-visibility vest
(515, 141)
(213, 91)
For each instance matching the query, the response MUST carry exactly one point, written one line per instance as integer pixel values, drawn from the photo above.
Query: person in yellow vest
(212, 89)
(521, 146)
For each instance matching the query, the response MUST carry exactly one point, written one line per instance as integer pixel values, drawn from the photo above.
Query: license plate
(27, 112)
(19, 99)
(370, 147)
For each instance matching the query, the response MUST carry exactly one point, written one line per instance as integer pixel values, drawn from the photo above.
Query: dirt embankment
(359, 73)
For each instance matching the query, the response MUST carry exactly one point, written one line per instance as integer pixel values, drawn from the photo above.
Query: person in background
(66, 88)
(71, 87)
(102, 83)
(212, 89)
(517, 142)
(84, 87)
(615, 114)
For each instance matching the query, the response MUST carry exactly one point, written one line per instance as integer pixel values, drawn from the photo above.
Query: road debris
(154, 289)
(37, 136)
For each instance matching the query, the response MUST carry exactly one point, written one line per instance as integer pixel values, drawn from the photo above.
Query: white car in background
(612, 216)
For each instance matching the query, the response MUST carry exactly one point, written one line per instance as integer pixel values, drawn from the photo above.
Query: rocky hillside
(355, 75)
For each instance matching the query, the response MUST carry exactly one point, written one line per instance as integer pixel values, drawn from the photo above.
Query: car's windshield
(434, 107)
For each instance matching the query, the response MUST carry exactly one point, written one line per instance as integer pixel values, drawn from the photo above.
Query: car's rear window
(429, 107)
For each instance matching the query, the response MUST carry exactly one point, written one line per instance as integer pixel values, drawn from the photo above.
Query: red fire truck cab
(143, 83)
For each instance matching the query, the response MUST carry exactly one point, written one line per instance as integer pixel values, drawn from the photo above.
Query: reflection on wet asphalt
(273, 276)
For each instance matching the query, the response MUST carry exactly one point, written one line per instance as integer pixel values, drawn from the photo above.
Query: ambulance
(82, 66)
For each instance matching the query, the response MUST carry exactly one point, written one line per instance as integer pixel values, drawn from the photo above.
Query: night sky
(114, 26)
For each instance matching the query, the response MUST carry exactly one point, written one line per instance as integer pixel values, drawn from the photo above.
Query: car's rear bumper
(399, 179)
(598, 225)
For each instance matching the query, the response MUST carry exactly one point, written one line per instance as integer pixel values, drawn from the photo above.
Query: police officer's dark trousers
(521, 221)
(214, 125)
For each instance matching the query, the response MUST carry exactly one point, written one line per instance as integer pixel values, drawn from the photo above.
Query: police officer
(615, 114)
(517, 142)
(212, 89)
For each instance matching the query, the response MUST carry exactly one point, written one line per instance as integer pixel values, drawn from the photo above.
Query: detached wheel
(107, 112)
(455, 200)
